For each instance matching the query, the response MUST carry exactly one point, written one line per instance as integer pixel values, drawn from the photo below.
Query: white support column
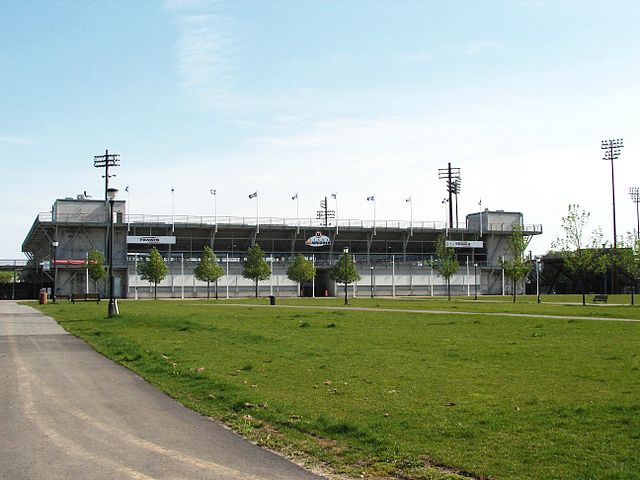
(228, 279)
(467, 278)
(393, 275)
(182, 275)
(313, 283)
(502, 276)
(271, 276)
(135, 286)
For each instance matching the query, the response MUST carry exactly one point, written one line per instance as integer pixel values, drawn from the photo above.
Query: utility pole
(452, 176)
(105, 161)
(325, 214)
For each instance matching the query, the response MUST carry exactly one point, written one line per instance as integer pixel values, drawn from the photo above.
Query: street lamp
(372, 198)
(372, 282)
(538, 278)
(173, 207)
(410, 202)
(215, 208)
(54, 244)
(113, 305)
(346, 252)
(475, 281)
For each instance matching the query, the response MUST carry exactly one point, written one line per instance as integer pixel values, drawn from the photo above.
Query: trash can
(43, 297)
(272, 299)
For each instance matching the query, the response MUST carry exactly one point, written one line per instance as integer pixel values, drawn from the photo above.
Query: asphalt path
(67, 412)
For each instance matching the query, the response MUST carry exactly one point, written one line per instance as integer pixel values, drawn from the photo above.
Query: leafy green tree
(6, 276)
(629, 260)
(208, 270)
(255, 266)
(301, 270)
(445, 262)
(345, 271)
(582, 257)
(516, 267)
(153, 270)
(95, 266)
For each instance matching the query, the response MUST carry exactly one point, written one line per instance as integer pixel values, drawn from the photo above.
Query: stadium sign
(318, 240)
(464, 244)
(152, 240)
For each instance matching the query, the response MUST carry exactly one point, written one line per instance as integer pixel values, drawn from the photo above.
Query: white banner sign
(318, 240)
(152, 240)
(464, 244)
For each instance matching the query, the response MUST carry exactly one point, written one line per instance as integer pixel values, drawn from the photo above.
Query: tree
(301, 270)
(6, 276)
(345, 271)
(582, 257)
(629, 259)
(445, 262)
(516, 268)
(153, 270)
(208, 270)
(255, 266)
(95, 266)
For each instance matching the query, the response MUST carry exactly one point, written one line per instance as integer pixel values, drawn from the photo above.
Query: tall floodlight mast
(612, 152)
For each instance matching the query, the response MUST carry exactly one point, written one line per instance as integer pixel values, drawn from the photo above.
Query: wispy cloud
(481, 46)
(416, 57)
(15, 140)
(204, 52)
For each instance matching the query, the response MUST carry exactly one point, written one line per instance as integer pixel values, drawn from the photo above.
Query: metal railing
(199, 220)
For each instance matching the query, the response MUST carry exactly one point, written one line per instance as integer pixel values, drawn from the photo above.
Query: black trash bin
(272, 299)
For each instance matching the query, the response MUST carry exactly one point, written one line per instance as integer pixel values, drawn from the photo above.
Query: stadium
(393, 257)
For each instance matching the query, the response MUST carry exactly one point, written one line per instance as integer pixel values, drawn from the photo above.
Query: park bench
(63, 297)
(600, 298)
(85, 297)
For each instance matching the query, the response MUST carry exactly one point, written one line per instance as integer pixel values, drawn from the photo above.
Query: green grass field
(384, 392)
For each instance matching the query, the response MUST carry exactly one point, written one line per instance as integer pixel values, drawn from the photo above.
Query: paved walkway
(69, 413)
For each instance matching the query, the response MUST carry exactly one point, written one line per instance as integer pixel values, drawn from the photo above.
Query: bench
(85, 297)
(600, 298)
(64, 297)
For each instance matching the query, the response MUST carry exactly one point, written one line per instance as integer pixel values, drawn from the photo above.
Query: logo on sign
(318, 240)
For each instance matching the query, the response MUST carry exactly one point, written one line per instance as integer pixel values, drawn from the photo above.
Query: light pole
(372, 281)
(295, 197)
(480, 204)
(372, 198)
(55, 244)
(128, 209)
(445, 202)
(215, 209)
(173, 208)
(612, 152)
(113, 305)
(410, 202)
(252, 196)
(475, 281)
(538, 278)
(635, 197)
(346, 262)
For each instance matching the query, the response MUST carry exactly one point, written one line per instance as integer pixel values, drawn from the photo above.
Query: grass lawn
(382, 393)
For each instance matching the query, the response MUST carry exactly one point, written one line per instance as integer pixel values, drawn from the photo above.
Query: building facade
(393, 257)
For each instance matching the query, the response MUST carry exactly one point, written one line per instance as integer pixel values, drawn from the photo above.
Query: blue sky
(349, 97)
